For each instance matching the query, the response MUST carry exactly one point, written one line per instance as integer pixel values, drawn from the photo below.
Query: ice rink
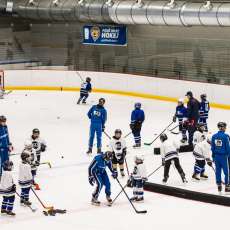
(65, 127)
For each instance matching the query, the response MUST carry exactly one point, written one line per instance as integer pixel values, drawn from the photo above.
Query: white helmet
(181, 100)
(139, 158)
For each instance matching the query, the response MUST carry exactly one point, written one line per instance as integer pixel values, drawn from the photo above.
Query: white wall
(124, 82)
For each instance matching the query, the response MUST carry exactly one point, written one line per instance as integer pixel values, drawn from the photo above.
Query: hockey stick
(127, 134)
(46, 163)
(126, 164)
(79, 76)
(14, 154)
(31, 208)
(139, 212)
(7, 92)
(159, 134)
(106, 134)
(154, 171)
(44, 206)
(118, 195)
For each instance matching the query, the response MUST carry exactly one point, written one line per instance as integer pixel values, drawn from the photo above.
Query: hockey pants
(177, 165)
(221, 163)
(95, 128)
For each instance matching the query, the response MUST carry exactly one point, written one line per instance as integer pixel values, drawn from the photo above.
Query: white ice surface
(65, 127)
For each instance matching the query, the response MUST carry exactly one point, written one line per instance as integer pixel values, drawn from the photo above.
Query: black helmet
(189, 93)
(118, 131)
(88, 79)
(199, 125)
(25, 155)
(108, 155)
(101, 101)
(2, 118)
(221, 124)
(35, 131)
(163, 137)
(7, 165)
(203, 96)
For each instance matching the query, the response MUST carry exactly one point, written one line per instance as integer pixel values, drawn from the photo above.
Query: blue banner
(104, 35)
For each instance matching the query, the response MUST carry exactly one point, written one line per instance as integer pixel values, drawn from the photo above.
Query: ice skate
(95, 202)
(108, 198)
(165, 179)
(89, 151)
(227, 189)
(10, 213)
(219, 188)
(78, 102)
(203, 176)
(3, 211)
(122, 173)
(136, 146)
(134, 198)
(196, 177)
(140, 199)
(98, 150)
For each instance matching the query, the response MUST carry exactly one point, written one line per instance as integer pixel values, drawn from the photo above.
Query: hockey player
(181, 115)
(38, 145)
(97, 173)
(118, 147)
(204, 110)
(199, 134)
(7, 189)
(5, 145)
(202, 155)
(220, 153)
(25, 177)
(193, 107)
(86, 88)
(98, 116)
(169, 153)
(33, 159)
(137, 118)
(137, 179)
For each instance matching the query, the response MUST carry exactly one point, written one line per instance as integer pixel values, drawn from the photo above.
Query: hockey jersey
(202, 150)
(137, 115)
(98, 115)
(6, 184)
(198, 137)
(181, 112)
(37, 143)
(139, 172)
(85, 88)
(25, 175)
(204, 109)
(118, 146)
(169, 150)
(4, 137)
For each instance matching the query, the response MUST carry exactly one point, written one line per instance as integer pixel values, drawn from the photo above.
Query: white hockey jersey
(169, 149)
(198, 137)
(139, 172)
(36, 143)
(6, 184)
(202, 150)
(25, 175)
(117, 146)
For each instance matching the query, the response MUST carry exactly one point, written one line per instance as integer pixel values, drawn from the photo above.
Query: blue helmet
(137, 105)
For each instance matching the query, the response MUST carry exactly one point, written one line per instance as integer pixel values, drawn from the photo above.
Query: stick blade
(147, 143)
(142, 212)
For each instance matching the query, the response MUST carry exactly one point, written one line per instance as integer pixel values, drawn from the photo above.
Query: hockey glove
(103, 128)
(91, 180)
(10, 147)
(37, 163)
(130, 182)
(114, 174)
(131, 126)
(209, 162)
(13, 189)
(174, 119)
(163, 162)
(43, 147)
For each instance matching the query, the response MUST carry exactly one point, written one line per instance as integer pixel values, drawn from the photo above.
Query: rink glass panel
(194, 53)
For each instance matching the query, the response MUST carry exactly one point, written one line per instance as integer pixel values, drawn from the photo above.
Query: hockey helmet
(163, 137)
(36, 131)
(107, 155)
(139, 159)
(189, 93)
(88, 79)
(101, 101)
(118, 131)
(8, 165)
(137, 105)
(2, 118)
(25, 156)
(221, 125)
(203, 96)
(181, 100)
(200, 126)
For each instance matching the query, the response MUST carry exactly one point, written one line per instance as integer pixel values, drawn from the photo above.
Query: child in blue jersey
(220, 153)
(181, 115)
(98, 116)
(97, 173)
(5, 145)
(86, 88)
(137, 119)
(204, 110)
(7, 189)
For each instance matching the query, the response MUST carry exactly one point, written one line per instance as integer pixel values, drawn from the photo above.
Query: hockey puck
(26, 95)
(62, 157)
(58, 117)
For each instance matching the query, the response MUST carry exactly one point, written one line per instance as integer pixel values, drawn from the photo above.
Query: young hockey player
(25, 179)
(97, 173)
(98, 116)
(181, 115)
(199, 134)
(33, 159)
(204, 111)
(220, 153)
(118, 147)
(38, 145)
(7, 189)
(169, 153)
(137, 179)
(86, 88)
(202, 154)
(137, 118)
(5, 145)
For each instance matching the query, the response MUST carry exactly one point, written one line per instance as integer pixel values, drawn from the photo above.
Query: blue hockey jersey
(86, 87)
(220, 144)
(204, 109)
(181, 112)
(4, 136)
(97, 114)
(98, 165)
(137, 115)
